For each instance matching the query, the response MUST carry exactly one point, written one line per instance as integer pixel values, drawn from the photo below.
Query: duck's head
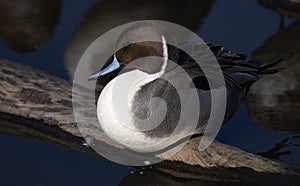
(143, 46)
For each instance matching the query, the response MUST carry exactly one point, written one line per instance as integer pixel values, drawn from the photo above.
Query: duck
(138, 102)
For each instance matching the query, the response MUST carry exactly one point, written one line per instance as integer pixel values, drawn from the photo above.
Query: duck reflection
(275, 102)
(108, 14)
(25, 25)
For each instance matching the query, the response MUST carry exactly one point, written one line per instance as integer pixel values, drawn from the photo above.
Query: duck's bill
(114, 65)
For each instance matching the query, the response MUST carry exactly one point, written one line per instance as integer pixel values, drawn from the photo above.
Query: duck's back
(237, 73)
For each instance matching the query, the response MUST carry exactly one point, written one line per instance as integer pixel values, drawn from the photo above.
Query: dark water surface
(55, 41)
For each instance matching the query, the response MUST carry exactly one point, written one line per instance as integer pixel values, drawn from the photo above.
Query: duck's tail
(239, 72)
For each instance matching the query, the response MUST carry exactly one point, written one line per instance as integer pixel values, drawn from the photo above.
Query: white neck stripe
(165, 54)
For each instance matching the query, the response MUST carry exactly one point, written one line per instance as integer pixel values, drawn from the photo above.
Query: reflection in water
(286, 7)
(164, 175)
(276, 152)
(108, 14)
(275, 101)
(25, 25)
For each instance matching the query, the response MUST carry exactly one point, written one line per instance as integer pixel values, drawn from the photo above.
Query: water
(241, 26)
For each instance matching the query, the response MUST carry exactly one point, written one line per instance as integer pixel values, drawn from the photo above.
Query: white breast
(114, 110)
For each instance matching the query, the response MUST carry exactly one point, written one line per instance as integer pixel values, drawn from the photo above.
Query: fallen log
(38, 105)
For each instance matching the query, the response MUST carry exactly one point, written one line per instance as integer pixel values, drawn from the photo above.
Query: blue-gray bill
(110, 68)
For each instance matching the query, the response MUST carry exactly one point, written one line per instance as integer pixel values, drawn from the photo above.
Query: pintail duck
(131, 55)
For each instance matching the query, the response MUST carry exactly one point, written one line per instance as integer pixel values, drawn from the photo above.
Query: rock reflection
(276, 151)
(275, 101)
(108, 14)
(161, 174)
(285, 7)
(25, 25)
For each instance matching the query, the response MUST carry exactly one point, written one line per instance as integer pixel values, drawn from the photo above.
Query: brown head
(142, 46)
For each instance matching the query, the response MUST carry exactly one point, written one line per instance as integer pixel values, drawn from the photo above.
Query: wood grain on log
(38, 105)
